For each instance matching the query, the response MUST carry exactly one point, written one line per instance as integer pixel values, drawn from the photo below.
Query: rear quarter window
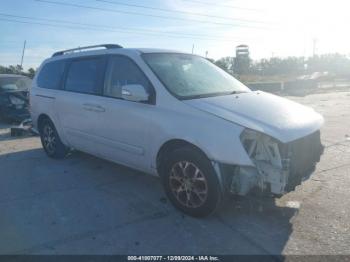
(50, 76)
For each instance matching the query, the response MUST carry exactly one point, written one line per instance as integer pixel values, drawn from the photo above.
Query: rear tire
(190, 182)
(50, 140)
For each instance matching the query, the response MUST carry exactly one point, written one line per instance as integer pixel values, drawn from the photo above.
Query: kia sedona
(176, 116)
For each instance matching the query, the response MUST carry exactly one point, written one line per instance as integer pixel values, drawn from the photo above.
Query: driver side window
(122, 71)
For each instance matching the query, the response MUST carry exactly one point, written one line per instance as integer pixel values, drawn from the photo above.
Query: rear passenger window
(122, 71)
(50, 75)
(85, 76)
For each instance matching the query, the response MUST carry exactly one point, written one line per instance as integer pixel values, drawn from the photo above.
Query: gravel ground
(85, 205)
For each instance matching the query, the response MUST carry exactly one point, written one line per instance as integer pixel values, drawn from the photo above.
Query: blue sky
(280, 28)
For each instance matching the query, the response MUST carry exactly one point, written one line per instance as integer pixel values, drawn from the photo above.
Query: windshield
(190, 76)
(14, 83)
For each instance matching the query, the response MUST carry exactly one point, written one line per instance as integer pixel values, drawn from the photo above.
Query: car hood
(275, 116)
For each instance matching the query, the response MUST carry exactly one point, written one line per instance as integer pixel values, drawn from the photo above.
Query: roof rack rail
(107, 46)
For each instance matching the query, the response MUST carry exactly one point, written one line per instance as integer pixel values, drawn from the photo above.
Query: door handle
(94, 108)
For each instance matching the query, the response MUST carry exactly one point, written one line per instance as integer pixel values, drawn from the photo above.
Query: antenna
(314, 46)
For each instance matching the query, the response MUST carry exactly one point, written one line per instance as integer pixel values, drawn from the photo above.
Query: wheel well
(172, 145)
(41, 119)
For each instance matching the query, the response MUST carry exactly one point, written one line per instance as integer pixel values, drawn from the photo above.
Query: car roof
(153, 50)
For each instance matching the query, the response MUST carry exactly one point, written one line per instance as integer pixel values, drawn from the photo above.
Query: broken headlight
(261, 147)
(16, 101)
(269, 174)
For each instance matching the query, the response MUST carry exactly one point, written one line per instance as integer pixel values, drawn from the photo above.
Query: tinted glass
(85, 76)
(15, 83)
(189, 76)
(122, 71)
(51, 74)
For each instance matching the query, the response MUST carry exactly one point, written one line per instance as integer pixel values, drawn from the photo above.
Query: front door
(125, 132)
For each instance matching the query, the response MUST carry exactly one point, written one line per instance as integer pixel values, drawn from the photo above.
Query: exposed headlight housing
(268, 173)
(16, 101)
(261, 147)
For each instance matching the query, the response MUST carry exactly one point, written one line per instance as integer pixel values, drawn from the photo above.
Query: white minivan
(177, 116)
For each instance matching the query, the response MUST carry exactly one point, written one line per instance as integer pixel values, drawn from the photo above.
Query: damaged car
(14, 97)
(176, 116)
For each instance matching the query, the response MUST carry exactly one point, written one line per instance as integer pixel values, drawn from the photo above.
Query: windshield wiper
(236, 92)
(195, 96)
(211, 95)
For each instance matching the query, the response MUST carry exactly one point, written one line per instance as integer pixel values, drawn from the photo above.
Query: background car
(14, 100)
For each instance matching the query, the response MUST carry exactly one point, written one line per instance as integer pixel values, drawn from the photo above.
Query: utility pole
(24, 48)
(192, 48)
(314, 46)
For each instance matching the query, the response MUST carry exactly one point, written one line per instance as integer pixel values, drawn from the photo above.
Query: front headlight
(261, 147)
(16, 101)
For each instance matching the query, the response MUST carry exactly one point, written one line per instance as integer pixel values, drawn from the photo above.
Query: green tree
(225, 63)
(31, 72)
(18, 70)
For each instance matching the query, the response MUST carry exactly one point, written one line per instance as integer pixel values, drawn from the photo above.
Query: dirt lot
(85, 205)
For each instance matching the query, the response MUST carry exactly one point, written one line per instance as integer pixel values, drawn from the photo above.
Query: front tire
(50, 140)
(190, 182)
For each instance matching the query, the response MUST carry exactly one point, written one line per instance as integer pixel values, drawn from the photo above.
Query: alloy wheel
(188, 184)
(49, 139)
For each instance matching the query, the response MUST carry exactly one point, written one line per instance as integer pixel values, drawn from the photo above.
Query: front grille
(303, 154)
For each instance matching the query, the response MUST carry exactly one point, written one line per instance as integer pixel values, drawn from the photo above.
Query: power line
(212, 37)
(181, 12)
(97, 29)
(147, 15)
(223, 5)
(44, 24)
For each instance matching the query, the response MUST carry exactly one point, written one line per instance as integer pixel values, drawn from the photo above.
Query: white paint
(270, 114)
(293, 204)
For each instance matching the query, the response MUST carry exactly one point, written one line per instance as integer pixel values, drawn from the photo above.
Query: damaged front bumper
(14, 105)
(279, 167)
(15, 114)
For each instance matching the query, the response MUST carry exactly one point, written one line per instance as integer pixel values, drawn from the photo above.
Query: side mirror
(136, 93)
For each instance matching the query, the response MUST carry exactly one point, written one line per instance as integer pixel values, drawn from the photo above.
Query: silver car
(176, 116)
